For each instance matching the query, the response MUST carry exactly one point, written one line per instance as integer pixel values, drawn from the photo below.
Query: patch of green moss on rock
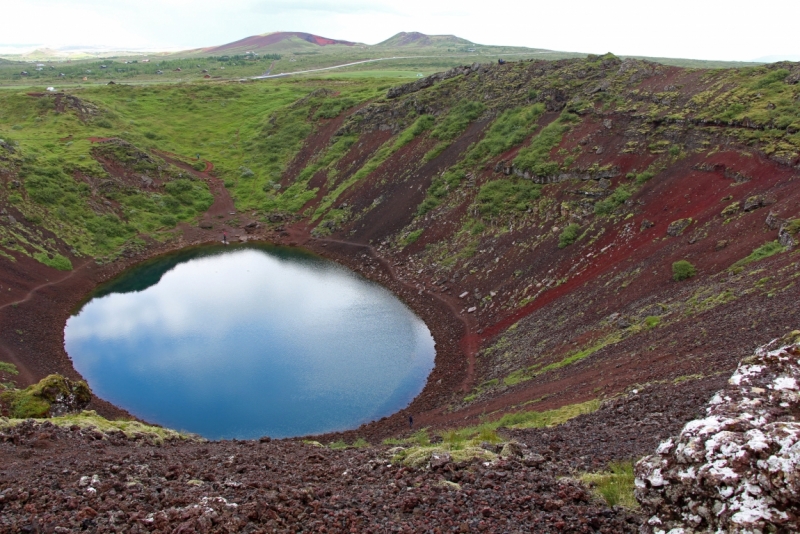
(53, 395)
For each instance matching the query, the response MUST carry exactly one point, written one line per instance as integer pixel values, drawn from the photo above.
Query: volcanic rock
(735, 470)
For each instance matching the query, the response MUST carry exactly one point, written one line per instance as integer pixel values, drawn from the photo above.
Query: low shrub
(569, 235)
(682, 270)
(651, 321)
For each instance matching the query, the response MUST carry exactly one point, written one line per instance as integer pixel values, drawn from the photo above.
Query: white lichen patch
(744, 373)
(737, 470)
(784, 382)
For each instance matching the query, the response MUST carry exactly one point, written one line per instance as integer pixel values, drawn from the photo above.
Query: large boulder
(52, 396)
(738, 469)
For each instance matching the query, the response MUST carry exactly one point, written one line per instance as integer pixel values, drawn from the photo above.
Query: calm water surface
(241, 342)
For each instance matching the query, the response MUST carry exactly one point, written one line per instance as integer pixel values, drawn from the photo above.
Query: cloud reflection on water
(237, 324)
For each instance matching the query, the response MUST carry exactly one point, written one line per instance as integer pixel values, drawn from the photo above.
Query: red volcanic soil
(262, 41)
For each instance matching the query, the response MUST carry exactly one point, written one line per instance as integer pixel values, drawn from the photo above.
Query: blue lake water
(242, 342)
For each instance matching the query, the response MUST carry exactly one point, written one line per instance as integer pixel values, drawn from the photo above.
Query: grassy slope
(250, 132)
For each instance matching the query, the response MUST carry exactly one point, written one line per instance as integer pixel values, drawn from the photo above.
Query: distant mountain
(41, 53)
(417, 39)
(274, 42)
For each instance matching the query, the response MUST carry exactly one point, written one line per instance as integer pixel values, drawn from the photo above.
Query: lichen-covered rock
(785, 239)
(676, 228)
(738, 469)
(759, 201)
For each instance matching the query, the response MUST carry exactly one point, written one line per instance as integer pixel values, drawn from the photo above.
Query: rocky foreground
(730, 469)
(737, 469)
(60, 479)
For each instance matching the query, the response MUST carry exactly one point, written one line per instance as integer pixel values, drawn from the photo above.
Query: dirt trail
(223, 203)
(33, 290)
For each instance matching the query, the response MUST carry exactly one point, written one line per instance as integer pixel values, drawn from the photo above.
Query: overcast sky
(703, 29)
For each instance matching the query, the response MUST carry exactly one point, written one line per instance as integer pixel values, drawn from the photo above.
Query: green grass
(525, 374)
(506, 195)
(608, 205)
(421, 125)
(644, 177)
(457, 120)
(57, 261)
(615, 485)
(536, 156)
(464, 444)
(253, 131)
(249, 131)
(528, 419)
(764, 251)
(136, 70)
(535, 419)
(412, 237)
(376, 74)
(651, 321)
(508, 130)
(341, 444)
(440, 187)
(333, 107)
(8, 368)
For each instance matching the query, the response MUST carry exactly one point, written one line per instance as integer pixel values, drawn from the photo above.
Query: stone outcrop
(676, 228)
(738, 469)
(428, 81)
(53, 396)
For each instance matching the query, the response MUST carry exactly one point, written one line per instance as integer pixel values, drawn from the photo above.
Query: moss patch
(37, 400)
(89, 420)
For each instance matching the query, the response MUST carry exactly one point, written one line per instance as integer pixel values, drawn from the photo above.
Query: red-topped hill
(269, 39)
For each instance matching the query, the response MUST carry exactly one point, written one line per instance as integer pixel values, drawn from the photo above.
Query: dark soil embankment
(100, 485)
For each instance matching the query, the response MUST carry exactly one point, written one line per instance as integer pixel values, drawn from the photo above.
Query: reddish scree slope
(553, 326)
